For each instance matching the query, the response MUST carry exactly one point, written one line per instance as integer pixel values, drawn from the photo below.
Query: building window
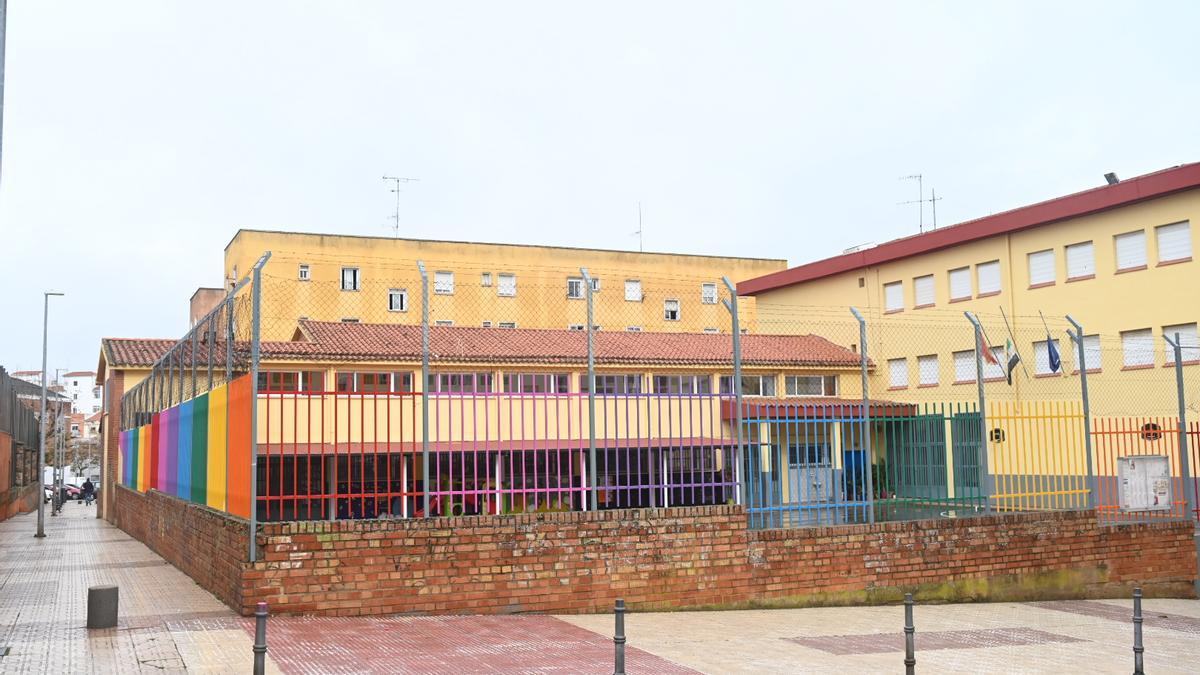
(712, 331)
(708, 294)
(304, 273)
(613, 384)
(397, 300)
(575, 287)
(995, 371)
(487, 324)
(291, 381)
(893, 296)
(682, 384)
(595, 284)
(1174, 242)
(752, 385)
(349, 319)
(988, 274)
(964, 366)
(350, 278)
(507, 324)
(507, 286)
(575, 326)
(634, 329)
(898, 373)
(485, 279)
(1138, 348)
(535, 383)
(1041, 357)
(443, 283)
(810, 385)
(960, 284)
(460, 383)
(1189, 341)
(1081, 261)
(633, 290)
(923, 291)
(1131, 251)
(374, 383)
(927, 370)
(1041, 268)
(443, 322)
(1092, 353)
(671, 310)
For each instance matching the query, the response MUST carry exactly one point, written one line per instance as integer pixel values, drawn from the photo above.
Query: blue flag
(1052, 352)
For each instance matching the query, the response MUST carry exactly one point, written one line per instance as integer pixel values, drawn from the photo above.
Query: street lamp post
(41, 468)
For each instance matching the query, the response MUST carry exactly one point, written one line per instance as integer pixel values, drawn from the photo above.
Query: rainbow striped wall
(198, 450)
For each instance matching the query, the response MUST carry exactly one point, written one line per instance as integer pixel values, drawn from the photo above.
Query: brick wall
(110, 440)
(701, 557)
(207, 545)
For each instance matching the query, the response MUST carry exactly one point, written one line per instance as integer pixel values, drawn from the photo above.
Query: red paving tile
(451, 644)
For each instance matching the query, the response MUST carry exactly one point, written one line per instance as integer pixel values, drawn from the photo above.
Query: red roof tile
(389, 342)
(143, 352)
(78, 373)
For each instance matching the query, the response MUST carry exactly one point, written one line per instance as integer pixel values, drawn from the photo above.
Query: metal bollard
(910, 659)
(260, 639)
(619, 639)
(1138, 649)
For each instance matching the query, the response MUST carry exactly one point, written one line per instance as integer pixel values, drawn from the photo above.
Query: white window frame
(712, 331)
(1180, 238)
(725, 385)
(443, 283)
(350, 319)
(667, 310)
(595, 284)
(708, 293)
(1081, 261)
(356, 279)
(485, 279)
(1041, 270)
(633, 329)
(1041, 357)
(506, 289)
(1127, 244)
(790, 388)
(893, 296)
(986, 268)
(575, 288)
(955, 278)
(964, 367)
(575, 327)
(443, 322)
(924, 289)
(636, 286)
(303, 272)
(400, 293)
(928, 375)
(1189, 340)
(1137, 348)
(1092, 353)
(487, 324)
(898, 373)
(507, 324)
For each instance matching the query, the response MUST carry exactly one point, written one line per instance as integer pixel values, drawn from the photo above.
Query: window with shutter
(708, 294)
(1189, 341)
(960, 284)
(923, 291)
(989, 277)
(893, 296)
(1081, 261)
(1092, 353)
(443, 283)
(1041, 268)
(964, 366)
(927, 370)
(506, 285)
(1137, 347)
(633, 290)
(898, 371)
(1174, 242)
(1131, 250)
(1041, 357)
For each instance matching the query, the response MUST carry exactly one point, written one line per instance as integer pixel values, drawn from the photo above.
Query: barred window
(535, 383)
(374, 382)
(613, 384)
(682, 384)
(460, 383)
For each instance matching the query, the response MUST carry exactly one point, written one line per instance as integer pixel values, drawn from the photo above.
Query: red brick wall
(110, 439)
(207, 545)
(701, 557)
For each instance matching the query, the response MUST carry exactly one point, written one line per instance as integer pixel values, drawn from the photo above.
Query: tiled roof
(78, 373)
(134, 351)
(389, 342)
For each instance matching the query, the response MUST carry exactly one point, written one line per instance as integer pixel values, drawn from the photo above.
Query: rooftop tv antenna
(639, 230)
(920, 201)
(396, 190)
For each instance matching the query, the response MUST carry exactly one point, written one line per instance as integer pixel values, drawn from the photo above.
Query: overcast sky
(138, 136)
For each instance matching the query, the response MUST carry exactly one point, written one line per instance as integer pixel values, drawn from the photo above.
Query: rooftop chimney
(1111, 178)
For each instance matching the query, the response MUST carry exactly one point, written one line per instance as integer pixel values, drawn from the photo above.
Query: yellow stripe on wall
(144, 451)
(218, 408)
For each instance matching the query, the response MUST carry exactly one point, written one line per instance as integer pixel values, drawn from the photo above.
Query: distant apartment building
(80, 386)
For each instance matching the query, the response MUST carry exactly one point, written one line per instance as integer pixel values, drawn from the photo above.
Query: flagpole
(1012, 337)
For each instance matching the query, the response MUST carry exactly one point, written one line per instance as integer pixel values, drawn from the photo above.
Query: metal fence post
(866, 414)
(424, 385)
(983, 430)
(619, 638)
(255, 334)
(229, 336)
(209, 342)
(1077, 338)
(591, 375)
(260, 639)
(731, 304)
(1138, 648)
(170, 378)
(1189, 496)
(910, 657)
(195, 387)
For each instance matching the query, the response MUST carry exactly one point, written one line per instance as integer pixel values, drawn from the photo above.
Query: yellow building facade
(1118, 259)
(376, 280)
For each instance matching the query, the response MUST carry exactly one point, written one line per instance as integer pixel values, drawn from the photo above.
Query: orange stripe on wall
(238, 469)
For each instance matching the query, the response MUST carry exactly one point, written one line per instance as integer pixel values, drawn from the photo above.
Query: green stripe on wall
(200, 449)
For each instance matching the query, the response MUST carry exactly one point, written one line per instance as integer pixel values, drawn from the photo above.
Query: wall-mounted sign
(1145, 483)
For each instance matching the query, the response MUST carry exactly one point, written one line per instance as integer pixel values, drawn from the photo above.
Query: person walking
(89, 491)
